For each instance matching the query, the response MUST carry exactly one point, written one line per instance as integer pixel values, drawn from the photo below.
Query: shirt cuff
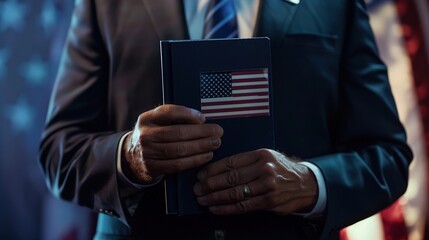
(121, 173)
(320, 206)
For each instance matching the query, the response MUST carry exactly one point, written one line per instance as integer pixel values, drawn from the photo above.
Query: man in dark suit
(338, 120)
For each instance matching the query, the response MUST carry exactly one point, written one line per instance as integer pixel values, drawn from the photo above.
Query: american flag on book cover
(235, 94)
(401, 28)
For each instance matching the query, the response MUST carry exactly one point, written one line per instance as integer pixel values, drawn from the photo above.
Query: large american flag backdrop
(401, 28)
(31, 38)
(32, 34)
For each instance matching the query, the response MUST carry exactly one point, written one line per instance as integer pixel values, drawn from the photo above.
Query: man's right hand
(169, 139)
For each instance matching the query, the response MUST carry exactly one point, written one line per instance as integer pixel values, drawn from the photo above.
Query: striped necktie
(220, 20)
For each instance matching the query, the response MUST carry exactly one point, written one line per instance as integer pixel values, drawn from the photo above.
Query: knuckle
(241, 207)
(264, 154)
(263, 151)
(268, 170)
(140, 119)
(162, 109)
(232, 177)
(181, 133)
(144, 116)
(234, 194)
(181, 150)
(270, 184)
(176, 166)
(144, 137)
(230, 163)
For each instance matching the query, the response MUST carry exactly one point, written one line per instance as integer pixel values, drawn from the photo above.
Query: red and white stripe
(250, 97)
(402, 31)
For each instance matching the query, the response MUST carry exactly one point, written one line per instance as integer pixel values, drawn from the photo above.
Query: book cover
(229, 81)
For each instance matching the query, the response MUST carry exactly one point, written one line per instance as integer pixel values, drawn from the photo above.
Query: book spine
(170, 181)
(167, 81)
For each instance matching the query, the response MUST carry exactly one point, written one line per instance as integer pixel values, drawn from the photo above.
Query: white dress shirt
(195, 11)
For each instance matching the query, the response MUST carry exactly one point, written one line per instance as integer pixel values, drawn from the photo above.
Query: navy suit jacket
(331, 91)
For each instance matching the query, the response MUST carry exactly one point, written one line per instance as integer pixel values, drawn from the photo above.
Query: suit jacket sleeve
(370, 169)
(78, 150)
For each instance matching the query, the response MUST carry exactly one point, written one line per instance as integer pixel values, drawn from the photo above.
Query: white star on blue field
(35, 71)
(21, 115)
(48, 16)
(4, 55)
(32, 35)
(12, 15)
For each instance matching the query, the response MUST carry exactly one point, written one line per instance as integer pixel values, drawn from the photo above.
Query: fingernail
(214, 209)
(208, 156)
(202, 200)
(220, 131)
(198, 189)
(215, 142)
(199, 115)
(201, 175)
(202, 117)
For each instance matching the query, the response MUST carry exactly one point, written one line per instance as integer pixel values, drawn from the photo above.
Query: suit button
(219, 234)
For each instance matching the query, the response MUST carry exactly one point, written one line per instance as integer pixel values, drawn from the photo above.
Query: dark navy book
(229, 81)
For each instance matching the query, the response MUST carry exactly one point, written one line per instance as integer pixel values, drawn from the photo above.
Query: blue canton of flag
(216, 85)
(235, 94)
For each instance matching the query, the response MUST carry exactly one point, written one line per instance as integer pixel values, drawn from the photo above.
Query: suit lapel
(275, 17)
(168, 18)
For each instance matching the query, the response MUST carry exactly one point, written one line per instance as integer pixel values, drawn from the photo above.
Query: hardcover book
(229, 81)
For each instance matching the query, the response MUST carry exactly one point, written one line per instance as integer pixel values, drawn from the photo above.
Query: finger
(177, 133)
(227, 180)
(163, 167)
(171, 114)
(234, 194)
(161, 151)
(226, 164)
(262, 202)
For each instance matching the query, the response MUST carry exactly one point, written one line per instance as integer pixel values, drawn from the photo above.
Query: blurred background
(32, 35)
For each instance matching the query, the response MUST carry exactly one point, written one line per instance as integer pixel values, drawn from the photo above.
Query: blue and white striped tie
(221, 20)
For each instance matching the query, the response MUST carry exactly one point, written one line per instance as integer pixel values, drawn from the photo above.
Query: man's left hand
(253, 181)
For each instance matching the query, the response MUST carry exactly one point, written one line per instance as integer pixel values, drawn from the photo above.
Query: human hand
(253, 181)
(169, 139)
